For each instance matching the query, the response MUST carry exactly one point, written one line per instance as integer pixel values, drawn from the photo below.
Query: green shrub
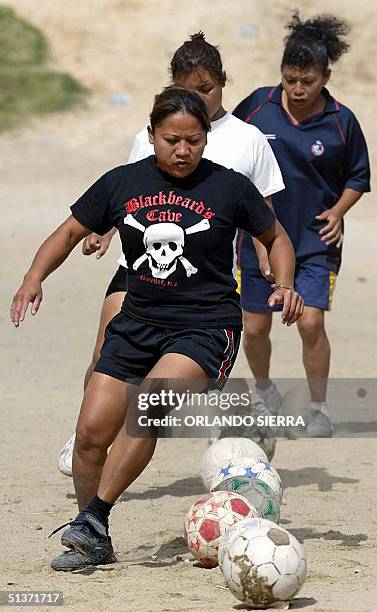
(27, 86)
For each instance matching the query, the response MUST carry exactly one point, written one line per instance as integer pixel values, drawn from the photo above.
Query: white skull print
(164, 244)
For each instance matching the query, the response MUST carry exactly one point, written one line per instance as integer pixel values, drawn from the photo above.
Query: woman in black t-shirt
(177, 215)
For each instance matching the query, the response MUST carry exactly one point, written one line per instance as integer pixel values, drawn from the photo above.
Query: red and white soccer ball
(209, 518)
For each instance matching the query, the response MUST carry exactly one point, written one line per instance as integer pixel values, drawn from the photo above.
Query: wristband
(276, 287)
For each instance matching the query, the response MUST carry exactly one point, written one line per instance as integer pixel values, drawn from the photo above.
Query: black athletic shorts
(118, 282)
(132, 348)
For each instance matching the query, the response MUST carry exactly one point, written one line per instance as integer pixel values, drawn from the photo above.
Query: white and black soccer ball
(262, 563)
(225, 450)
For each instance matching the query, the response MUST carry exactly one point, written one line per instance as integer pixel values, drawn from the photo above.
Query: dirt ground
(330, 486)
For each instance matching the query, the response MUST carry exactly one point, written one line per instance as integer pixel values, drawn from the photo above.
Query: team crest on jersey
(317, 148)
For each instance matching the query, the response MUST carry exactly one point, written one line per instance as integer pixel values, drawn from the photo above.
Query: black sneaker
(103, 554)
(84, 533)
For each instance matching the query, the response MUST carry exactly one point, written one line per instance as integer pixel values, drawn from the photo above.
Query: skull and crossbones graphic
(164, 245)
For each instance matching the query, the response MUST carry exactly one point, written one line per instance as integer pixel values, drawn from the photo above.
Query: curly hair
(316, 41)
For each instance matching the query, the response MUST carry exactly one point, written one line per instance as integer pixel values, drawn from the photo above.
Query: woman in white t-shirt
(232, 143)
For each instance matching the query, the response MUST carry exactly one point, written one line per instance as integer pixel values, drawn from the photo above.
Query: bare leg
(315, 351)
(257, 344)
(129, 456)
(102, 416)
(110, 307)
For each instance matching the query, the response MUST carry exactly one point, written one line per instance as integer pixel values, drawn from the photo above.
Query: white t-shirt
(234, 144)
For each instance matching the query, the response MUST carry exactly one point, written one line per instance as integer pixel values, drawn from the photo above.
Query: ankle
(100, 509)
(263, 386)
(322, 407)
(317, 405)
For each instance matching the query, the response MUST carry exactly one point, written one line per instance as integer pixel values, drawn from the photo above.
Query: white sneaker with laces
(65, 458)
(266, 402)
(214, 435)
(318, 422)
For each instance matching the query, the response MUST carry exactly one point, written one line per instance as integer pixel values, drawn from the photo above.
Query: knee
(311, 327)
(88, 438)
(256, 327)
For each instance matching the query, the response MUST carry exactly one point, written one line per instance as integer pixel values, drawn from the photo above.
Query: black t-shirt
(177, 237)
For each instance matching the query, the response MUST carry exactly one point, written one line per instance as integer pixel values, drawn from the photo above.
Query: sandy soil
(330, 486)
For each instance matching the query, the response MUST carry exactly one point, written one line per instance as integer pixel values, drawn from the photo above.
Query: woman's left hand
(293, 304)
(332, 232)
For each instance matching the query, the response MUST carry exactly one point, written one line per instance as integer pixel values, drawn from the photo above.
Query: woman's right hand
(265, 268)
(94, 243)
(292, 302)
(264, 264)
(29, 292)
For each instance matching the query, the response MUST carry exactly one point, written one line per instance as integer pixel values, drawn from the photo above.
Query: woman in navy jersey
(177, 215)
(323, 157)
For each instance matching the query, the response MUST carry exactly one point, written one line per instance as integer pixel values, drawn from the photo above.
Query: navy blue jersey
(318, 158)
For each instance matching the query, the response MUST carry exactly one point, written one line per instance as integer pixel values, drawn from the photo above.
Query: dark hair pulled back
(174, 100)
(197, 54)
(317, 41)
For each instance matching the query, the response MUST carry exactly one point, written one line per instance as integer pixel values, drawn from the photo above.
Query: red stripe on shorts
(228, 356)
